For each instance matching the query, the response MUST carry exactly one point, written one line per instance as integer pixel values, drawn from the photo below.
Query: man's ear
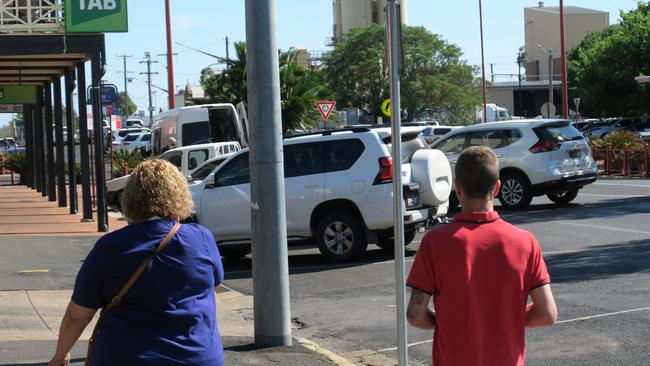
(497, 187)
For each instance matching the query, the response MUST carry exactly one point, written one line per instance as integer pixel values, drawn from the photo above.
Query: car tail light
(385, 174)
(544, 146)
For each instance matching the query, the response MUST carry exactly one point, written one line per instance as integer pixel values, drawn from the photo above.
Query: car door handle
(499, 155)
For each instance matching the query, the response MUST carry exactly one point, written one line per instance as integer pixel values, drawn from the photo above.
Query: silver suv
(536, 157)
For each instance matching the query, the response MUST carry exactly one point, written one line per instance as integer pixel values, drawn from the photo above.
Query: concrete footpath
(29, 323)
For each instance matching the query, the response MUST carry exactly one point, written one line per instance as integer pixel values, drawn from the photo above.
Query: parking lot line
(601, 315)
(620, 185)
(614, 195)
(601, 227)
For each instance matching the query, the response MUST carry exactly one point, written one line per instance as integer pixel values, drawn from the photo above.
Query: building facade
(350, 14)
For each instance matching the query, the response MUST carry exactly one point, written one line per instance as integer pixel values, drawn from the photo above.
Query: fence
(627, 162)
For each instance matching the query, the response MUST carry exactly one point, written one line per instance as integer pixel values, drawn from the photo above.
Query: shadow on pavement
(600, 262)
(603, 209)
(73, 361)
(308, 263)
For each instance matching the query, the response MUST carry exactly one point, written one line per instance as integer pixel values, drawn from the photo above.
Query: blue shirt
(168, 317)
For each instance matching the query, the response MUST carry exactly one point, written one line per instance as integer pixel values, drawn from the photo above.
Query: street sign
(11, 108)
(96, 16)
(546, 108)
(385, 107)
(325, 108)
(108, 95)
(576, 101)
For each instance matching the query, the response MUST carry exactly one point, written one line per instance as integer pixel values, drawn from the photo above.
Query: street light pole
(480, 13)
(550, 79)
(565, 88)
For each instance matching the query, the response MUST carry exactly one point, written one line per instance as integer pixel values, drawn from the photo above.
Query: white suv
(338, 192)
(536, 157)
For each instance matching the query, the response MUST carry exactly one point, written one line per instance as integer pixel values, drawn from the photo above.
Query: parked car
(433, 133)
(186, 159)
(536, 157)
(8, 145)
(338, 192)
(137, 141)
(601, 129)
(200, 173)
(118, 135)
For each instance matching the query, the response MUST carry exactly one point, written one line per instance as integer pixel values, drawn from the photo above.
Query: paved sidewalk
(29, 322)
(26, 212)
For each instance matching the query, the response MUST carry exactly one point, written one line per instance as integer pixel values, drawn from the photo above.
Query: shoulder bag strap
(117, 298)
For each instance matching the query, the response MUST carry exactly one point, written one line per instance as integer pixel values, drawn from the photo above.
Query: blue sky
(204, 24)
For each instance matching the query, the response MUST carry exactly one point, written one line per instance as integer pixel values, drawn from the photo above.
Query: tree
(603, 66)
(299, 88)
(131, 106)
(435, 82)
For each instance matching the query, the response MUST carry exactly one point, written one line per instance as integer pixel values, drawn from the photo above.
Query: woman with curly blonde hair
(167, 316)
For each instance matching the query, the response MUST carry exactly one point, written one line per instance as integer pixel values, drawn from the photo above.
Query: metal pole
(39, 158)
(550, 82)
(60, 148)
(125, 110)
(227, 53)
(87, 207)
(100, 181)
(565, 89)
(29, 145)
(268, 211)
(519, 62)
(148, 61)
(480, 12)
(72, 165)
(170, 61)
(49, 133)
(392, 45)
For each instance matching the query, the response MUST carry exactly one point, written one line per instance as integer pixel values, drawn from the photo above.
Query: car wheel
(563, 197)
(388, 243)
(515, 191)
(340, 237)
(234, 252)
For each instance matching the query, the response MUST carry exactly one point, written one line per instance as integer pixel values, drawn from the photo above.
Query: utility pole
(227, 53)
(521, 60)
(549, 53)
(125, 111)
(170, 62)
(492, 72)
(148, 61)
(480, 13)
(565, 88)
(271, 305)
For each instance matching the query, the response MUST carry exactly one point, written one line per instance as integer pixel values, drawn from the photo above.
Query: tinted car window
(493, 139)
(342, 154)
(411, 142)
(146, 137)
(441, 131)
(559, 132)
(196, 158)
(130, 137)
(235, 172)
(302, 159)
(206, 169)
(452, 144)
(175, 158)
(196, 132)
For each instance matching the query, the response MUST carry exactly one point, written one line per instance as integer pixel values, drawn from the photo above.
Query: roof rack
(329, 132)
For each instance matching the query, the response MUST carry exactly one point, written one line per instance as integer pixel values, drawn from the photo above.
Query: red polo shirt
(479, 270)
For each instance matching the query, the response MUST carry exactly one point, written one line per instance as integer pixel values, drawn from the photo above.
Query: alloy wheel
(512, 191)
(339, 237)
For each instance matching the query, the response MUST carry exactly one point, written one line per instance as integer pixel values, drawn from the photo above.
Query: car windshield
(411, 142)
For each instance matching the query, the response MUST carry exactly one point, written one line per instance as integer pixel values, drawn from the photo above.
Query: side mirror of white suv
(209, 181)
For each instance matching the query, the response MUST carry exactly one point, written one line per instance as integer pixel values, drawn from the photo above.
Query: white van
(187, 159)
(198, 124)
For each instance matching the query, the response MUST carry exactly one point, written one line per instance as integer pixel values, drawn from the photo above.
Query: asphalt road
(598, 254)
(597, 250)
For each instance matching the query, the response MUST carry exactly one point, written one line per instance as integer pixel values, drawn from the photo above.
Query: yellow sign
(385, 107)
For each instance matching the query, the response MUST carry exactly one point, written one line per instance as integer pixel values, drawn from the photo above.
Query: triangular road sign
(325, 108)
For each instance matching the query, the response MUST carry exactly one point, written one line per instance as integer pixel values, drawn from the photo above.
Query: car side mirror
(189, 178)
(209, 181)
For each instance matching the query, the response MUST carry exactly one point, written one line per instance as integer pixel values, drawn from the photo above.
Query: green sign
(96, 16)
(19, 94)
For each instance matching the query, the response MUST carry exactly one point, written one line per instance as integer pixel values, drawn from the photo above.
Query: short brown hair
(477, 170)
(156, 188)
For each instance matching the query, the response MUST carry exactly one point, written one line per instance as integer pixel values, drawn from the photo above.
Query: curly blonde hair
(156, 188)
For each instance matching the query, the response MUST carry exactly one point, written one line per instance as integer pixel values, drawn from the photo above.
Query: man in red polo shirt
(480, 272)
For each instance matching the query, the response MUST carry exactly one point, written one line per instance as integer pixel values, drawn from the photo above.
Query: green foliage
(299, 88)
(435, 81)
(122, 157)
(603, 66)
(615, 140)
(131, 106)
(16, 162)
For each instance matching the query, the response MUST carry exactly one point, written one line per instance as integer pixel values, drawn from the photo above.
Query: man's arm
(543, 311)
(419, 314)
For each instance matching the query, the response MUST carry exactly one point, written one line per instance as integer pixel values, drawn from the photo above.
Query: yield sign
(325, 108)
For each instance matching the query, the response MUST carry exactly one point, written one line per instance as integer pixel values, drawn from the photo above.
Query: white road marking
(601, 227)
(621, 185)
(614, 195)
(557, 322)
(601, 315)
(338, 360)
(564, 251)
